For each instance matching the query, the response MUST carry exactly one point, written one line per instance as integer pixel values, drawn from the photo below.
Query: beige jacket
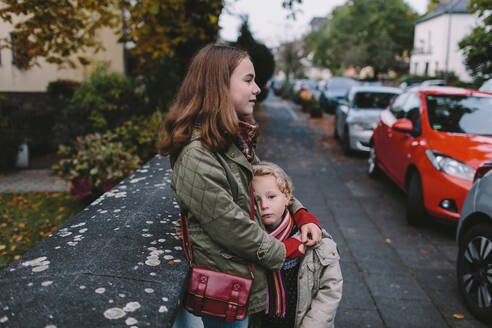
(319, 288)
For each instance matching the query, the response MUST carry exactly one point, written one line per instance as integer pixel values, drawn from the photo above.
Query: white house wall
(430, 44)
(37, 78)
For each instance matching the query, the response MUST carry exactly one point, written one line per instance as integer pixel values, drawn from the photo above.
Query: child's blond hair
(284, 183)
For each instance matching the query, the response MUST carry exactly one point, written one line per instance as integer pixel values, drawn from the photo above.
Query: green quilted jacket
(213, 189)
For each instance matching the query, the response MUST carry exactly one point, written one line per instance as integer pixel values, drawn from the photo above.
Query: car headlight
(450, 165)
(363, 126)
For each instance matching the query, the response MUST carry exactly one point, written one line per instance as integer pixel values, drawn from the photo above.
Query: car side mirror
(403, 125)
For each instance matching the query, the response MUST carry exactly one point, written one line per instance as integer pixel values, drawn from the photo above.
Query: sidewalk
(32, 180)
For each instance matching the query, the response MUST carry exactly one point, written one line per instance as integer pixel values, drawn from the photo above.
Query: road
(394, 275)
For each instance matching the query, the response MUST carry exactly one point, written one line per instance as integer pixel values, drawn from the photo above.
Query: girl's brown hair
(204, 99)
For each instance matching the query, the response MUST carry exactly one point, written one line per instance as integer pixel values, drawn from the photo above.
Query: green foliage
(261, 56)
(477, 46)
(140, 134)
(375, 33)
(56, 30)
(95, 163)
(103, 102)
(289, 61)
(61, 91)
(11, 133)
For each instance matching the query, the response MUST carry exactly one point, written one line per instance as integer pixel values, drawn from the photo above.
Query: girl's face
(271, 200)
(243, 88)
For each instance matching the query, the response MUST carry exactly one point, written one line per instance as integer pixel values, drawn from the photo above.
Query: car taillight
(482, 170)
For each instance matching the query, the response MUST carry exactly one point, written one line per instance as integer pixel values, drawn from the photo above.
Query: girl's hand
(302, 247)
(310, 234)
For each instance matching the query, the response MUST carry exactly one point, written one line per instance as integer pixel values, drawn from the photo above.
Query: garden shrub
(94, 164)
(11, 133)
(105, 101)
(139, 135)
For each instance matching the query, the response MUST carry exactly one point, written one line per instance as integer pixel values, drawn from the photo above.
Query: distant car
(430, 141)
(335, 89)
(277, 86)
(358, 113)
(487, 86)
(474, 237)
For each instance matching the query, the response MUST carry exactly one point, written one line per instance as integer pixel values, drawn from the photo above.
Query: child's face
(243, 88)
(271, 200)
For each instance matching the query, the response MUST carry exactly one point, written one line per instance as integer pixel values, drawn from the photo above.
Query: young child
(309, 286)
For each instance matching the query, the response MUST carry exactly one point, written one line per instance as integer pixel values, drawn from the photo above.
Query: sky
(269, 23)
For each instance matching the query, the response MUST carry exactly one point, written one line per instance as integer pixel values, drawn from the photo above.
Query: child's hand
(302, 247)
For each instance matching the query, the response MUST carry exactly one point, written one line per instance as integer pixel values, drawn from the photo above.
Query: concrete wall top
(118, 263)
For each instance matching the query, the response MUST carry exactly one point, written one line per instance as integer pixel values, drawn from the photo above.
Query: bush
(139, 135)
(94, 164)
(104, 102)
(11, 134)
(61, 91)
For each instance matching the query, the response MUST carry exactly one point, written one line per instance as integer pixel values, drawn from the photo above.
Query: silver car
(358, 113)
(474, 237)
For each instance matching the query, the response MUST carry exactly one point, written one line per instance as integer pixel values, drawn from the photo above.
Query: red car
(430, 141)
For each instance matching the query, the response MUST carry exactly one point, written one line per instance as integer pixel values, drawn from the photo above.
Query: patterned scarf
(246, 139)
(276, 302)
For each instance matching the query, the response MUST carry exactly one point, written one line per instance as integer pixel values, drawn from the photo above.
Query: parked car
(335, 89)
(474, 237)
(276, 86)
(487, 86)
(357, 115)
(430, 141)
(428, 83)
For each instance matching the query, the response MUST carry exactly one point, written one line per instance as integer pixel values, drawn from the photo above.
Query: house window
(437, 68)
(12, 39)
(426, 71)
(416, 68)
(0, 53)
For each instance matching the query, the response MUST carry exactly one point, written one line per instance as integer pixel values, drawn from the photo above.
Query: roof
(446, 8)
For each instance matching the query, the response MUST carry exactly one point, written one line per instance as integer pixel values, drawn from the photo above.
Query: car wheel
(346, 142)
(373, 169)
(416, 213)
(474, 271)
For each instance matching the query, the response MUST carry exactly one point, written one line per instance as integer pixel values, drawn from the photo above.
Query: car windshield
(340, 83)
(460, 114)
(366, 100)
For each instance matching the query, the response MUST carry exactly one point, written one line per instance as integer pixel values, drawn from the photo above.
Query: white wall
(37, 78)
(431, 40)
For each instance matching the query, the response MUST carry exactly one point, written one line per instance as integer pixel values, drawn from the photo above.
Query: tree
(375, 33)
(56, 30)
(260, 55)
(477, 46)
(290, 55)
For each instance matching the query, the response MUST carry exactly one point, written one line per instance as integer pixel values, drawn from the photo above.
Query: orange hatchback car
(430, 141)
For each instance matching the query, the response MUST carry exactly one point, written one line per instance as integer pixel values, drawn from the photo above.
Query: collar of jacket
(233, 152)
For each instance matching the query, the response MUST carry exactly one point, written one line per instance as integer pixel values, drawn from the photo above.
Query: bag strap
(186, 237)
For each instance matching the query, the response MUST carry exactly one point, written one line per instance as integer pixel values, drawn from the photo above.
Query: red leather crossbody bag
(215, 293)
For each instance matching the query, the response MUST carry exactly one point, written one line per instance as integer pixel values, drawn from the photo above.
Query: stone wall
(118, 263)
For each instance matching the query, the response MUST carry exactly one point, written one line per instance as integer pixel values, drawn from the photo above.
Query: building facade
(436, 40)
(36, 79)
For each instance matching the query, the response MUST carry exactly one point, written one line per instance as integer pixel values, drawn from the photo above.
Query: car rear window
(366, 100)
(460, 114)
